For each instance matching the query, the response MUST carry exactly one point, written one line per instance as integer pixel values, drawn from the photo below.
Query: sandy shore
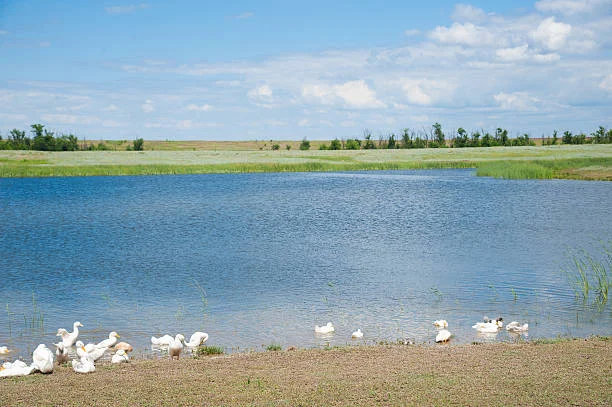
(575, 372)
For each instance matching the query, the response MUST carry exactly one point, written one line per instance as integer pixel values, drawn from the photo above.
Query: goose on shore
(69, 338)
(197, 339)
(61, 353)
(176, 347)
(16, 368)
(357, 334)
(124, 346)
(111, 341)
(120, 357)
(325, 329)
(443, 336)
(84, 365)
(90, 351)
(43, 359)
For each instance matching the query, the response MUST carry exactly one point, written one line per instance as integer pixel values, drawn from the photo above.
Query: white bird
(69, 338)
(197, 339)
(43, 359)
(516, 327)
(486, 327)
(17, 368)
(325, 329)
(443, 335)
(120, 357)
(165, 340)
(440, 323)
(84, 365)
(4, 350)
(357, 334)
(111, 341)
(90, 351)
(176, 347)
(124, 346)
(61, 353)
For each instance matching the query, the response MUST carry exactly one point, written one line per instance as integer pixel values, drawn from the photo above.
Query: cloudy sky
(258, 70)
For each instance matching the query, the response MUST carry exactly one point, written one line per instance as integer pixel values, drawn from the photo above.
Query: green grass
(274, 347)
(545, 169)
(209, 350)
(591, 273)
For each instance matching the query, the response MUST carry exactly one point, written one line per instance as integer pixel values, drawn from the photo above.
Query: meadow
(589, 161)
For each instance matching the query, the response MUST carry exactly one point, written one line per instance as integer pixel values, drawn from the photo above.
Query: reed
(36, 320)
(591, 273)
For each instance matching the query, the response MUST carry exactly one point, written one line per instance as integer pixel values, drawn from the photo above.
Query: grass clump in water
(591, 275)
(274, 347)
(209, 350)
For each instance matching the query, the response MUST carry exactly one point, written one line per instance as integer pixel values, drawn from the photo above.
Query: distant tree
(501, 137)
(305, 144)
(599, 135)
(368, 142)
(139, 144)
(567, 137)
(406, 139)
(391, 144)
(335, 145)
(462, 138)
(438, 135)
(555, 138)
(275, 146)
(288, 147)
(352, 144)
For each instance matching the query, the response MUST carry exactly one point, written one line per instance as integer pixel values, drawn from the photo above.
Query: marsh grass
(570, 168)
(36, 320)
(274, 347)
(591, 274)
(209, 350)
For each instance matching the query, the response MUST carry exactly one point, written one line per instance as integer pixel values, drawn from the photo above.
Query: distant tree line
(44, 140)
(460, 138)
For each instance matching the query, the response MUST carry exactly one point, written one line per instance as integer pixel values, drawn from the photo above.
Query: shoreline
(552, 372)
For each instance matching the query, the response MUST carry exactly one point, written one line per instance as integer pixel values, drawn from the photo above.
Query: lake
(256, 259)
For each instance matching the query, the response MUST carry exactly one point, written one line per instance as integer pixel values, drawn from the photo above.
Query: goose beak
(118, 336)
(83, 348)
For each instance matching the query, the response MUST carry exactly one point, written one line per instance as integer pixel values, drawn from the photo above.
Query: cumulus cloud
(425, 91)
(353, 94)
(465, 34)
(147, 106)
(570, 7)
(551, 34)
(513, 54)
(516, 101)
(466, 12)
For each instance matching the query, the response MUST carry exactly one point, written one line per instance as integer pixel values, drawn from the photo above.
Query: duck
(90, 351)
(162, 340)
(443, 336)
(84, 365)
(486, 327)
(357, 334)
(120, 357)
(61, 353)
(69, 338)
(499, 321)
(124, 346)
(176, 347)
(43, 359)
(197, 339)
(516, 327)
(325, 329)
(4, 350)
(16, 368)
(111, 341)
(440, 323)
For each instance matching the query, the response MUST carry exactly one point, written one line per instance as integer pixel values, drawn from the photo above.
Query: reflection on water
(255, 259)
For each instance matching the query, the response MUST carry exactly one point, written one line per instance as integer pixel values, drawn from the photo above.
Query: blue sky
(259, 70)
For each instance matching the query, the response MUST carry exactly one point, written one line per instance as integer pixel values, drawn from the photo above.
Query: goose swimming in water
(516, 327)
(43, 359)
(176, 347)
(197, 339)
(111, 341)
(325, 329)
(120, 357)
(489, 325)
(441, 323)
(61, 353)
(17, 368)
(443, 336)
(357, 334)
(69, 338)
(165, 340)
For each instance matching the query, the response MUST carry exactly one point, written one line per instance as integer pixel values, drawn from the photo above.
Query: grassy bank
(572, 162)
(550, 373)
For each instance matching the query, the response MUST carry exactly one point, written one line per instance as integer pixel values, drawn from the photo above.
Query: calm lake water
(255, 259)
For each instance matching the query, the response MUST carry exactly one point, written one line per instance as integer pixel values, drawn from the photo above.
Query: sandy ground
(568, 373)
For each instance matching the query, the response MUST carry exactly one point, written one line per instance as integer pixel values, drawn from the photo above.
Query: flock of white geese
(87, 355)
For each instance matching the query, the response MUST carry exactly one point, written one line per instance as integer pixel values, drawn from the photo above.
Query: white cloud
(466, 34)
(195, 108)
(466, 12)
(513, 54)
(570, 7)
(261, 92)
(425, 91)
(520, 101)
(412, 33)
(606, 84)
(546, 58)
(125, 9)
(147, 106)
(60, 118)
(551, 34)
(355, 94)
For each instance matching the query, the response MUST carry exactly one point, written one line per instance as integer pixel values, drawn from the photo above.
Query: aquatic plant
(274, 347)
(209, 350)
(203, 298)
(36, 320)
(591, 274)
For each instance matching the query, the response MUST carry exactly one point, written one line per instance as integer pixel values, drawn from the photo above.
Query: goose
(43, 359)
(486, 327)
(124, 346)
(325, 329)
(176, 347)
(499, 321)
(443, 336)
(162, 340)
(516, 327)
(4, 350)
(90, 351)
(69, 338)
(197, 339)
(17, 368)
(120, 357)
(61, 353)
(440, 323)
(84, 365)
(357, 334)
(111, 341)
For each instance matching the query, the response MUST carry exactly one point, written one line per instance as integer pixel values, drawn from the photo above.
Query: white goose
(17, 368)
(4, 350)
(443, 336)
(43, 359)
(197, 339)
(440, 323)
(176, 347)
(516, 327)
(165, 340)
(489, 326)
(89, 351)
(357, 334)
(111, 341)
(61, 353)
(69, 338)
(84, 365)
(120, 357)
(325, 329)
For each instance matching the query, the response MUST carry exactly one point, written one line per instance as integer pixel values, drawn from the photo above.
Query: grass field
(542, 373)
(567, 161)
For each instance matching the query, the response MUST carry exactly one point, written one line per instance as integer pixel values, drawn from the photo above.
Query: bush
(305, 145)
(138, 144)
(275, 147)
